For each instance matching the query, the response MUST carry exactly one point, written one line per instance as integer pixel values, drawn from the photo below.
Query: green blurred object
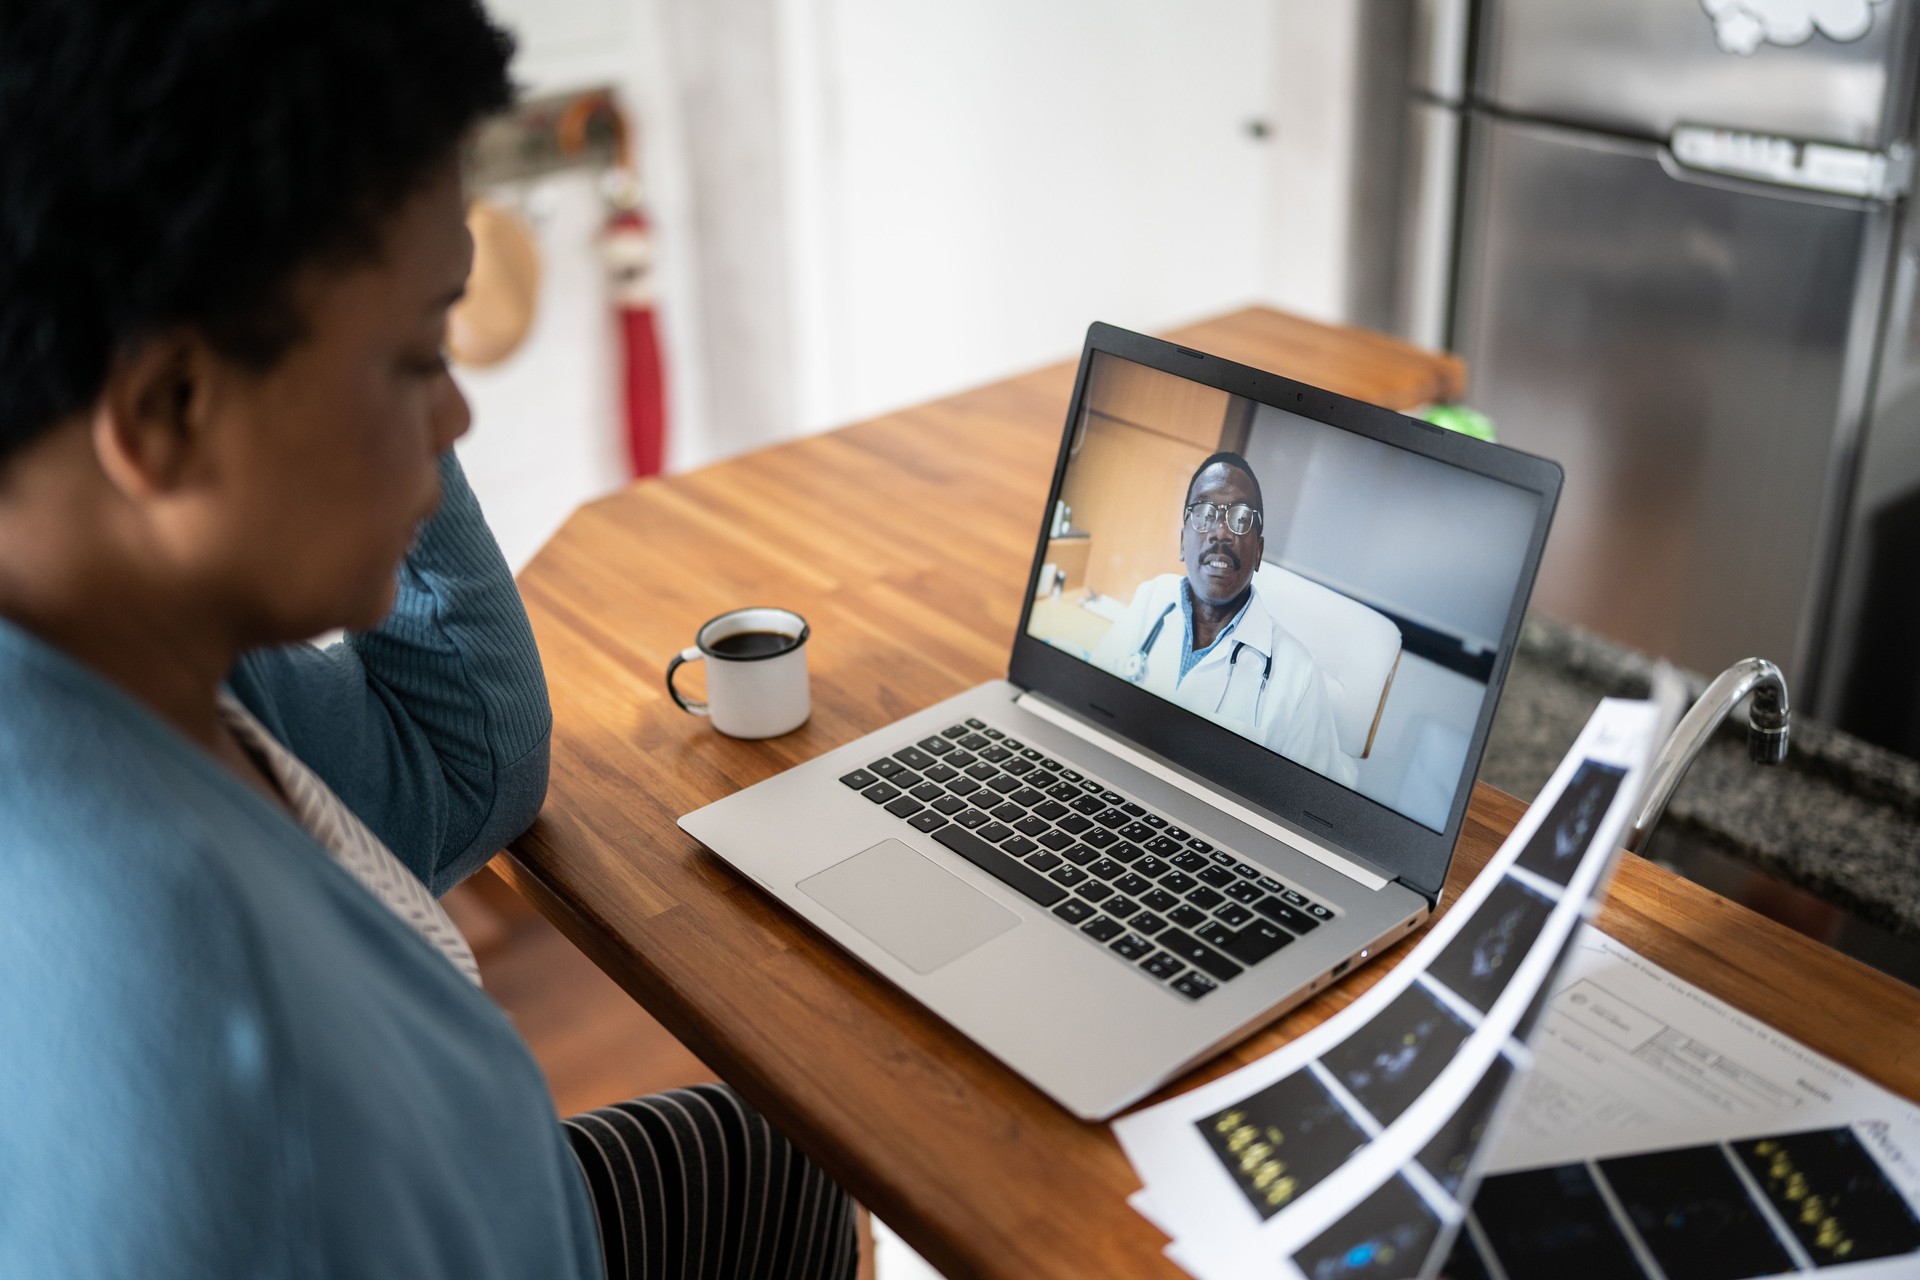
(1458, 417)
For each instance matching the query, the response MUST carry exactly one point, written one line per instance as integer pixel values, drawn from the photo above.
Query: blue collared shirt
(1189, 656)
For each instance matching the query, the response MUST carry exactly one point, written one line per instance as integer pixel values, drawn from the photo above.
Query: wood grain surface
(905, 541)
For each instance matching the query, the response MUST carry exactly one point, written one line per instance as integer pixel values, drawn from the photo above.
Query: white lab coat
(1291, 715)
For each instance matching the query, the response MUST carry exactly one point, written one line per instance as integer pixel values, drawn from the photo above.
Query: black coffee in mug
(752, 644)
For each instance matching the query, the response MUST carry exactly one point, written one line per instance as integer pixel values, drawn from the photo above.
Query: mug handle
(690, 654)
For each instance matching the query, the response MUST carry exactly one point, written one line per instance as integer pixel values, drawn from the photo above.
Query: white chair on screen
(1356, 648)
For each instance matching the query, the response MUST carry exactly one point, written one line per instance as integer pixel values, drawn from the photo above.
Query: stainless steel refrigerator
(1687, 273)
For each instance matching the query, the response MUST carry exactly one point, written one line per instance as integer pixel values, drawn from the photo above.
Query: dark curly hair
(176, 162)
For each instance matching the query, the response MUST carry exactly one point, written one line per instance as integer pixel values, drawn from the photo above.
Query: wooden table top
(904, 540)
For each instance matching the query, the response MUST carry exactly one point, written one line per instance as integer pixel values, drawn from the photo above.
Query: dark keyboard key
(1080, 855)
(1065, 792)
(906, 779)
(1132, 946)
(956, 731)
(995, 734)
(913, 757)
(886, 768)
(1113, 797)
(1244, 891)
(1177, 882)
(1124, 852)
(971, 818)
(1155, 821)
(1134, 884)
(1101, 929)
(1028, 753)
(926, 793)
(994, 833)
(1003, 783)
(1110, 818)
(1056, 840)
(1318, 912)
(1133, 810)
(1187, 917)
(1192, 985)
(982, 772)
(1031, 826)
(1186, 860)
(996, 754)
(1177, 833)
(1162, 846)
(1232, 914)
(1135, 830)
(926, 820)
(1094, 891)
(1018, 766)
(1294, 896)
(1152, 868)
(1008, 813)
(1089, 785)
(1160, 900)
(1214, 934)
(1099, 837)
(1043, 780)
(1204, 898)
(1043, 861)
(963, 786)
(1162, 966)
(1255, 942)
(934, 747)
(1073, 911)
(1245, 872)
(1219, 857)
(1012, 744)
(942, 773)
(1107, 869)
(1050, 762)
(1022, 879)
(1148, 923)
(881, 792)
(859, 779)
(1019, 846)
(1073, 823)
(1269, 884)
(1218, 877)
(1121, 908)
(1027, 797)
(1068, 876)
(961, 759)
(905, 807)
(1071, 776)
(1088, 805)
(1197, 953)
(1274, 909)
(973, 723)
(949, 804)
(1049, 809)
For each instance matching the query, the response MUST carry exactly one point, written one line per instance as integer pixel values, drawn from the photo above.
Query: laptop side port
(1340, 968)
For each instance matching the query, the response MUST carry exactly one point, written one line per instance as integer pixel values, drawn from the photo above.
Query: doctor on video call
(1207, 641)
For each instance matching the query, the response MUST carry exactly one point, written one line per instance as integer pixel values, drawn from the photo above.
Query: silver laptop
(1264, 632)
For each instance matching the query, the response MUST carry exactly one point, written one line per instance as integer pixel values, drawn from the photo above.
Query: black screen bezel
(1411, 852)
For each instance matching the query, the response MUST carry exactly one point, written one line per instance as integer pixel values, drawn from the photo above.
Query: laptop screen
(1333, 598)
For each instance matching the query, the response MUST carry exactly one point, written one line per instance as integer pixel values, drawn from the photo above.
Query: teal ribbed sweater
(219, 1055)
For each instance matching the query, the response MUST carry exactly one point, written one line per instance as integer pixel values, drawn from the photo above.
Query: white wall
(861, 204)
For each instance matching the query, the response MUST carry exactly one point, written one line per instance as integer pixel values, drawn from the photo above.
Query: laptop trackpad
(923, 916)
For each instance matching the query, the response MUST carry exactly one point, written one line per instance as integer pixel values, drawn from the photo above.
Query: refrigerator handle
(1763, 164)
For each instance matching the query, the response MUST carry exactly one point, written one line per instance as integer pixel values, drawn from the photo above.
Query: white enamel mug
(756, 672)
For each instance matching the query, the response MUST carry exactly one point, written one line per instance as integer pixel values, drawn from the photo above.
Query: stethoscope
(1135, 667)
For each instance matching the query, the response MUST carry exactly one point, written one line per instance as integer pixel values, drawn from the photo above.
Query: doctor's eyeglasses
(1240, 517)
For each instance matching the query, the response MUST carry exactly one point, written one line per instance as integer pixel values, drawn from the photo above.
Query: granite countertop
(1839, 819)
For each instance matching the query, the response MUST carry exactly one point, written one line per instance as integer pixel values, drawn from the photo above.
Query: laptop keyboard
(1187, 914)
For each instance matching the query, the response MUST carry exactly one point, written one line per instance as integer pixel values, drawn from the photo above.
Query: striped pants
(694, 1183)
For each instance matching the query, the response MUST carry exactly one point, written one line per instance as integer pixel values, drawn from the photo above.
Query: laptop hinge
(1226, 804)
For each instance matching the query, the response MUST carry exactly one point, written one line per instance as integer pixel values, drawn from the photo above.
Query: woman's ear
(149, 432)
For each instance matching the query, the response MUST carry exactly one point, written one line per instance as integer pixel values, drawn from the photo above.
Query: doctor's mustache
(1221, 548)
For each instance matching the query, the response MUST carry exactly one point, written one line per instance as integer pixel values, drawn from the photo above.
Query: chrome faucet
(1767, 727)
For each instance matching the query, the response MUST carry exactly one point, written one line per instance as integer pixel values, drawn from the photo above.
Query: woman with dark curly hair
(238, 1035)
